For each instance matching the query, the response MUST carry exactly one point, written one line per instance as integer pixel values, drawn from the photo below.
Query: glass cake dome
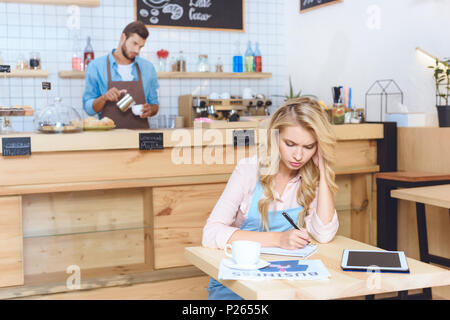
(58, 118)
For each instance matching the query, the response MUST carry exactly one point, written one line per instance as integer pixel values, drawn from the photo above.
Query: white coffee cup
(137, 109)
(244, 252)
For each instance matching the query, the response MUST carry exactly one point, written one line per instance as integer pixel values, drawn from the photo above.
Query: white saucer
(231, 264)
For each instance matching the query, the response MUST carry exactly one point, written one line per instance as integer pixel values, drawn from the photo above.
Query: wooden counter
(93, 200)
(119, 139)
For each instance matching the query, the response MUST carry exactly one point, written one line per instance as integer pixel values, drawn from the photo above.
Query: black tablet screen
(380, 259)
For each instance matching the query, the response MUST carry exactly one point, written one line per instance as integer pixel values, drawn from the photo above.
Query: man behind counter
(122, 71)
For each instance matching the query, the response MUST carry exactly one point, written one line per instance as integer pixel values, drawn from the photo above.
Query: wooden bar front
(94, 201)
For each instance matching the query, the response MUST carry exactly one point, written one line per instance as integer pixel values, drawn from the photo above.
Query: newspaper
(286, 269)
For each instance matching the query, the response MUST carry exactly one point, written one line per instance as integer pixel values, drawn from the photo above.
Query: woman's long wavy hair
(308, 114)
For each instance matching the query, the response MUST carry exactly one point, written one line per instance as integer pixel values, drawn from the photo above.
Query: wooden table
(436, 195)
(387, 206)
(342, 284)
(432, 195)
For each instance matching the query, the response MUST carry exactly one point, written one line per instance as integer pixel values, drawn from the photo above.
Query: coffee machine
(258, 106)
(192, 107)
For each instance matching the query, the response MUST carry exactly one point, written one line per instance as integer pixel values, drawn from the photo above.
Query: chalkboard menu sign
(151, 141)
(208, 14)
(17, 146)
(306, 5)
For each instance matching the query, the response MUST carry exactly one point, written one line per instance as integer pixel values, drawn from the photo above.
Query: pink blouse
(232, 208)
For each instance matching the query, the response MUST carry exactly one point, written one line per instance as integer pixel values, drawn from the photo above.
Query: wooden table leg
(422, 232)
(403, 295)
(386, 217)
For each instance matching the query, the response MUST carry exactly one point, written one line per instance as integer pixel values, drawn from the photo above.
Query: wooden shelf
(82, 3)
(184, 75)
(28, 74)
(72, 74)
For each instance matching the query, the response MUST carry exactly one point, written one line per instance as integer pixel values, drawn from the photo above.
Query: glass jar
(219, 65)
(21, 63)
(58, 118)
(35, 60)
(77, 60)
(173, 64)
(181, 63)
(162, 59)
(203, 64)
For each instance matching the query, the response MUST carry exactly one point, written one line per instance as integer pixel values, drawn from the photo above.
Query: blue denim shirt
(97, 80)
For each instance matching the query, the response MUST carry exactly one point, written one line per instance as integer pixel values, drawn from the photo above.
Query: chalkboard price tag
(151, 141)
(243, 138)
(46, 86)
(5, 69)
(17, 146)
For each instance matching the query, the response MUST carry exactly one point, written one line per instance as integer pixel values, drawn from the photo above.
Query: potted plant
(441, 74)
(292, 95)
(331, 113)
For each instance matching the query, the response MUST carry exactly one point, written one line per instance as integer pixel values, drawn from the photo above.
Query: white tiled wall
(30, 27)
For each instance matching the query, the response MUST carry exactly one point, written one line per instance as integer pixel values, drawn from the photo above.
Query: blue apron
(277, 223)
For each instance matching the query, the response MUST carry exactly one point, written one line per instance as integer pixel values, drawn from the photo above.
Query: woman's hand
(318, 160)
(294, 239)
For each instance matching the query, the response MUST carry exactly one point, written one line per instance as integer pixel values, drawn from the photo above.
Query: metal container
(126, 102)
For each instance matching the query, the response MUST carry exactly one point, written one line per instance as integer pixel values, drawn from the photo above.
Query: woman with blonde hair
(292, 174)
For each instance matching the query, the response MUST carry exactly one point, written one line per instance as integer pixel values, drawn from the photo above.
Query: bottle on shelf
(173, 64)
(181, 63)
(88, 53)
(249, 58)
(258, 58)
(77, 61)
(237, 59)
(219, 65)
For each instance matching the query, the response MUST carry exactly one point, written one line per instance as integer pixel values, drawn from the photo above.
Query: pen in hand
(291, 222)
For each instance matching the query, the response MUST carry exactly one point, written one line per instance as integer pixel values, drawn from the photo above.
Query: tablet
(382, 261)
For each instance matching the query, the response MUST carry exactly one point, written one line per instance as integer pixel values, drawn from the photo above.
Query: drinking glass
(162, 121)
(171, 121)
(154, 122)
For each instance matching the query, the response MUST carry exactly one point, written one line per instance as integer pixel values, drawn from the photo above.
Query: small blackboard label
(243, 138)
(46, 86)
(17, 146)
(5, 68)
(151, 141)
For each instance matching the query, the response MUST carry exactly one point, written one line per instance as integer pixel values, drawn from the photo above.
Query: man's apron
(126, 120)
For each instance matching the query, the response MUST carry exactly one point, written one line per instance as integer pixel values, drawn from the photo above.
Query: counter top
(186, 137)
